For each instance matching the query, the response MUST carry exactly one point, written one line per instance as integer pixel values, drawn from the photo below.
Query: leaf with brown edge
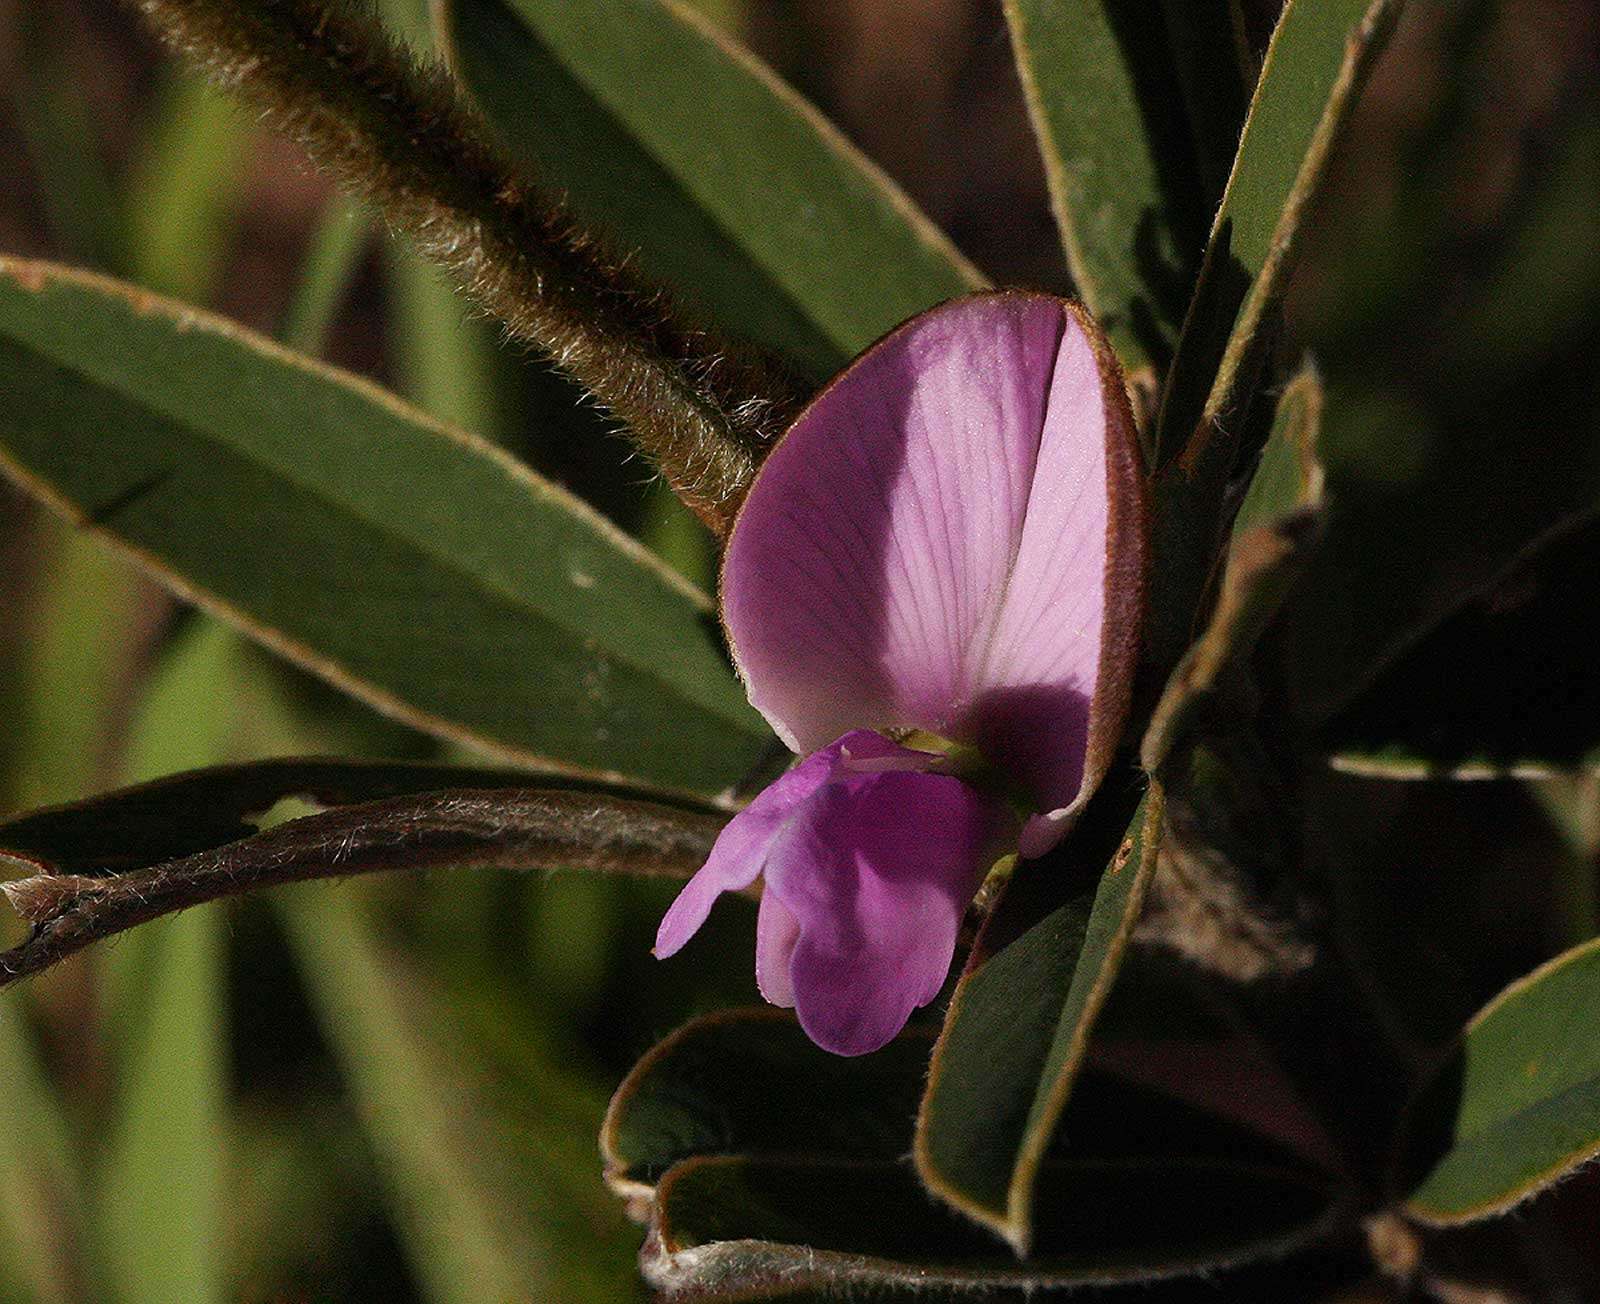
(512, 828)
(690, 153)
(1318, 59)
(1516, 1105)
(1315, 66)
(1277, 526)
(1119, 157)
(410, 564)
(1018, 1025)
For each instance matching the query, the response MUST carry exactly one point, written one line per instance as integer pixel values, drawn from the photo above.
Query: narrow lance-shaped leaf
(158, 1191)
(508, 828)
(1276, 528)
(1019, 1023)
(1319, 54)
(661, 131)
(332, 256)
(1119, 159)
(1313, 70)
(1517, 1106)
(184, 195)
(1314, 67)
(444, 355)
(408, 563)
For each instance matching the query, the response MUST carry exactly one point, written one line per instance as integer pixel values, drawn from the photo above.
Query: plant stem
(396, 134)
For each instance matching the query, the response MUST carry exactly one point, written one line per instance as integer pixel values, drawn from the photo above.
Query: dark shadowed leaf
(767, 1165)
(1018, 1025)
(1517, 1106)
(1217, 70)
(680, 144)
(1504, 685)
(751, 1082)
(1453, 441)
(726, 1224)
(141, 826)
(408, 563)
(505, 828)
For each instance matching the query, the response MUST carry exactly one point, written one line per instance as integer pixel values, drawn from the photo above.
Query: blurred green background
(390, 1090)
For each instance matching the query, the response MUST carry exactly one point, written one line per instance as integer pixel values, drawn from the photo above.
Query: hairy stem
(396, 135)
(544, 828)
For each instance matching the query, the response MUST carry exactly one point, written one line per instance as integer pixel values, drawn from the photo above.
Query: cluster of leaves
(1352, 593)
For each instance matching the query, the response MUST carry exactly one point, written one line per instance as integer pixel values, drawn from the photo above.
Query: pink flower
(949, 539)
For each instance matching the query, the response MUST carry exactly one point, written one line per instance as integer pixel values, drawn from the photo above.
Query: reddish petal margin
(951, 537)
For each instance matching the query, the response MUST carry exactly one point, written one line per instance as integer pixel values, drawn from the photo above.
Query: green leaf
(1517, 1106)
(408, 563)
(1318, 57)
(767, 1164)
(79, 653)
(1521, 697)
(1288, 477)
(1119, 160)
(165, 989)
(1314, 68)
(679, 144)
(477, 1198)
(1018, 1025)
(444, 355)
